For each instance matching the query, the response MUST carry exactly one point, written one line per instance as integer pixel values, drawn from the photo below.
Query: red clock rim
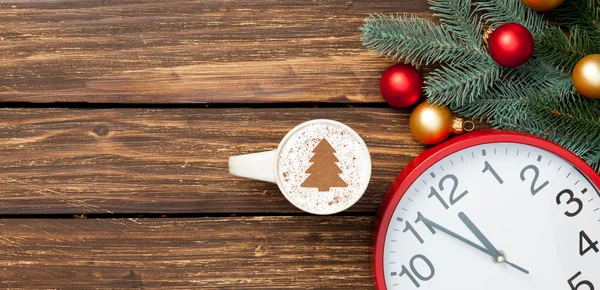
(431, 156)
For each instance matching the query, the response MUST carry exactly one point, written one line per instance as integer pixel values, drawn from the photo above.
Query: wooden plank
(153, 51)
(170, 160)
(208, 253)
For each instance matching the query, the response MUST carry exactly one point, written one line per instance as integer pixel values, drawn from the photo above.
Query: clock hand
(486, 243)
(500, 258)
(454, 235)
(468, 242)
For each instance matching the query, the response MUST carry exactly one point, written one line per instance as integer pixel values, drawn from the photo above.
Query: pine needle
(415, 40)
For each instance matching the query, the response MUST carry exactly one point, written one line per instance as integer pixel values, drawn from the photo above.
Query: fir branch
(457, 85)
(498, 101)
(568, 115)
(508, 93)
(498, 12)
(416, 40)
(562, 51)
(457, 16)
(583, 13)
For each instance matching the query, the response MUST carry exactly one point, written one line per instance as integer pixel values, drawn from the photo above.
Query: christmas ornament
(510, 44)
(432, 124)
(443, 221)
(586, 76)
(401, 85)
(542, 5)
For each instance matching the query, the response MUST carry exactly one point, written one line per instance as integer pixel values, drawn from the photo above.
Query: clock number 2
(572, 199)
(453, 199)
(414, 270)
(588, 284)
(536, 175)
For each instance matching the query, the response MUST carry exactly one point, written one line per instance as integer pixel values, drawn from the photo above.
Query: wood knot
(101, 131)
(260, 250)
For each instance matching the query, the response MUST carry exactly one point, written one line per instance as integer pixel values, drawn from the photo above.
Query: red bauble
(401, 85)
(510, 44)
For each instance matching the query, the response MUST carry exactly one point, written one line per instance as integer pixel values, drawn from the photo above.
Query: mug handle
(259, 166)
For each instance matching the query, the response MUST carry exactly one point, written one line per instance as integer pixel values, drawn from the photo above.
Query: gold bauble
(542, 5)
(431, 124)
(586, 76)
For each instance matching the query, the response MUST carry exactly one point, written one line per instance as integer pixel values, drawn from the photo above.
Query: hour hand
(470, 243)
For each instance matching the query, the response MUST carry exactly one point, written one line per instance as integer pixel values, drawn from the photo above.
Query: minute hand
(480, 236)
(468, 242)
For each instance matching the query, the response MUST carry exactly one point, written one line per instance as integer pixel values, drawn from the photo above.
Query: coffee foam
(354, 161)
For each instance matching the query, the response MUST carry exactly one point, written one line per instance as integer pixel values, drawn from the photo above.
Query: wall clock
(491, 210)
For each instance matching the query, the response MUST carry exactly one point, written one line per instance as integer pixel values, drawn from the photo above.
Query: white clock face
(496, 216)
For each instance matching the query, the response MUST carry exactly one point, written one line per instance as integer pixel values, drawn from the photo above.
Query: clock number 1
(406, 272)
(588, 284)
(452, 199)
(536, 175)
(489, 168)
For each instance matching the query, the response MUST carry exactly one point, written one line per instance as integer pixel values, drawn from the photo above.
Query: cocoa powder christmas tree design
(324, 172)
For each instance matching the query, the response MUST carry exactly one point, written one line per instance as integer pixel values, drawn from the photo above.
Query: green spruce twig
(562, 51)
(461, 21)
(498, 12)
(415, 40)
(582, 13)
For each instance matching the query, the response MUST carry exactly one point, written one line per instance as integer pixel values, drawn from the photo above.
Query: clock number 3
(572, 199)
(414, 270)
(452, 199)
(588, 285)
(536, 175)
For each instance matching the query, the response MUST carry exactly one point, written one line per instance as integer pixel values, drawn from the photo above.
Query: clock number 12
(452, 199)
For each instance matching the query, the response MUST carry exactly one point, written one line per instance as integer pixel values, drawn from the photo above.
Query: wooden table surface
(124, 113)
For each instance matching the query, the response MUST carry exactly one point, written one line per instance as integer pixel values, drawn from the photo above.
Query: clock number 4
(592, 245)
(588, 285)
(536, 175)
(452, 199)
(414, 270)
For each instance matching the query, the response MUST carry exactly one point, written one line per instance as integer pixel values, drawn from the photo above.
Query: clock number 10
(414, 270)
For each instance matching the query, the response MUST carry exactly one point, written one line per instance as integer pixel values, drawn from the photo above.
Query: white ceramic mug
(316, 176)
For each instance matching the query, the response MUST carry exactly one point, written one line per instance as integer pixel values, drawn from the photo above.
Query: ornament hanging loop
(459, 125)
(469, 126)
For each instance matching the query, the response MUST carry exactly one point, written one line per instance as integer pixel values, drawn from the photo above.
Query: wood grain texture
(205, 253)
(152, 51)
(170, 160)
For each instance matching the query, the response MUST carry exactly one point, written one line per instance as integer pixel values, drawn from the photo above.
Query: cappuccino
(323, 167)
